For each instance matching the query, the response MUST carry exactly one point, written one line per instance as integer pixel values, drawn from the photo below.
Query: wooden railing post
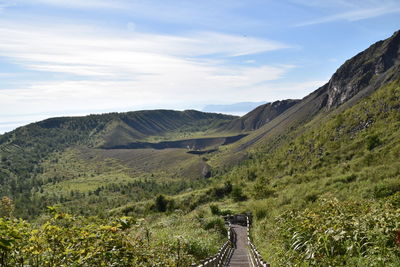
(225, 251)
(256, 256)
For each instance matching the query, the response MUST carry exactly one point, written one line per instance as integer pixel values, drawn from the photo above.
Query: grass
(88, 181)
(351, 157)
(346, 162)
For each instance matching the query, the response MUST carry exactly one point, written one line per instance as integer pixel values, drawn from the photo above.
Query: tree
(161, 203)
(237, 194)
(6, 207)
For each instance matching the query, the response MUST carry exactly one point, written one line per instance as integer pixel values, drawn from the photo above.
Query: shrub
(216, 223)
(66, 240)
(385, 189)
(262, 190)
(312, 197)
(237, 194)
(261, 213)
(161, 203)
(372, 141)
(6, 207)
(215, 209)
(334, 233)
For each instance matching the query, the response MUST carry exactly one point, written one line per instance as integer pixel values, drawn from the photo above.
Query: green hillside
(47, 162)
(258, 117)
(320, 176)
(328, 193)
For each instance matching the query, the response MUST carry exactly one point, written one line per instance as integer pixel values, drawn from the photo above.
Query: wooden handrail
(256, 256)
(226, 250)
(218, 259)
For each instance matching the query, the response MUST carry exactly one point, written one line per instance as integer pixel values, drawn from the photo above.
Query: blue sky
(76, 57)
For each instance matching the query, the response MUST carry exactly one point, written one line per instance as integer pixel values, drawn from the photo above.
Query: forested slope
(26, 152)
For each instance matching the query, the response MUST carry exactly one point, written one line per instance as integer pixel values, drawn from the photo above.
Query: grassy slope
(91, 181)
(351, 156)
(258, 117)
(326, 194)
(26, 152)
(323, 194)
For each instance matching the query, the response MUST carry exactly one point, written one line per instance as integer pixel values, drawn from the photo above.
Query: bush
(334, 233)
(262, 190)
(372, 141)
(385, 189)
(215, 209)
(261, 213)
(217, 224)
(225, 212)
(161, 203)
(66, 240)
(6, 207)
(220, 192)
(312, 197)
(237, 194)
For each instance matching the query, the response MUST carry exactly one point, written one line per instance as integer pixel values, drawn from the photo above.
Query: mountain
(130, 142)
(259, 116)
(236, 108)
(28, 152)
(367, 71)
(357, 78)
(328, 187)
(96, 130)
(319, 176)
(322, 179)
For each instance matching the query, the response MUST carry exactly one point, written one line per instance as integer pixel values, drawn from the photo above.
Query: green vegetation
(56, 161)
(63, 240)
(327, 193)
(341, 233)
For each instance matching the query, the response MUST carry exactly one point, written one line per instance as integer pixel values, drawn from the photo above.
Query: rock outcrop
(378, 64)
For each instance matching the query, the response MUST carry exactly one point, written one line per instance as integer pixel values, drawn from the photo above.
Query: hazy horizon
(39, 117)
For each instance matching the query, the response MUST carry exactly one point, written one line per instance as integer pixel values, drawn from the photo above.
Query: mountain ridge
(27, 149)
(260, 116)
(326, 98)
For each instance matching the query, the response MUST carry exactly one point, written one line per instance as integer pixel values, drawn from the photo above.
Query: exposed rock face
(374, 66)
(259, 116)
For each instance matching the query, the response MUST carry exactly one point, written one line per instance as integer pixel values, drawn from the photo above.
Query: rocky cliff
(378, 64)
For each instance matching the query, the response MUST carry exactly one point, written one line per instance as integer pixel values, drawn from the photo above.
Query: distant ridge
(235, 108)
(259, 116)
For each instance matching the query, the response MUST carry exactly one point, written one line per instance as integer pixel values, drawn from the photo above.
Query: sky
(78, 57)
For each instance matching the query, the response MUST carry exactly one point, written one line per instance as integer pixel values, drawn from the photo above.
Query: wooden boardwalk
(238, 250)
(240, 256)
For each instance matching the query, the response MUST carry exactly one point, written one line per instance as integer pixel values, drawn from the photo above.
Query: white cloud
(356, 11)
(89, 54)
(96, 69)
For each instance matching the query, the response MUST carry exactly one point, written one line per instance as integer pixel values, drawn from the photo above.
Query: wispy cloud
(88, 51)
(353, 10)
(100, 69)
